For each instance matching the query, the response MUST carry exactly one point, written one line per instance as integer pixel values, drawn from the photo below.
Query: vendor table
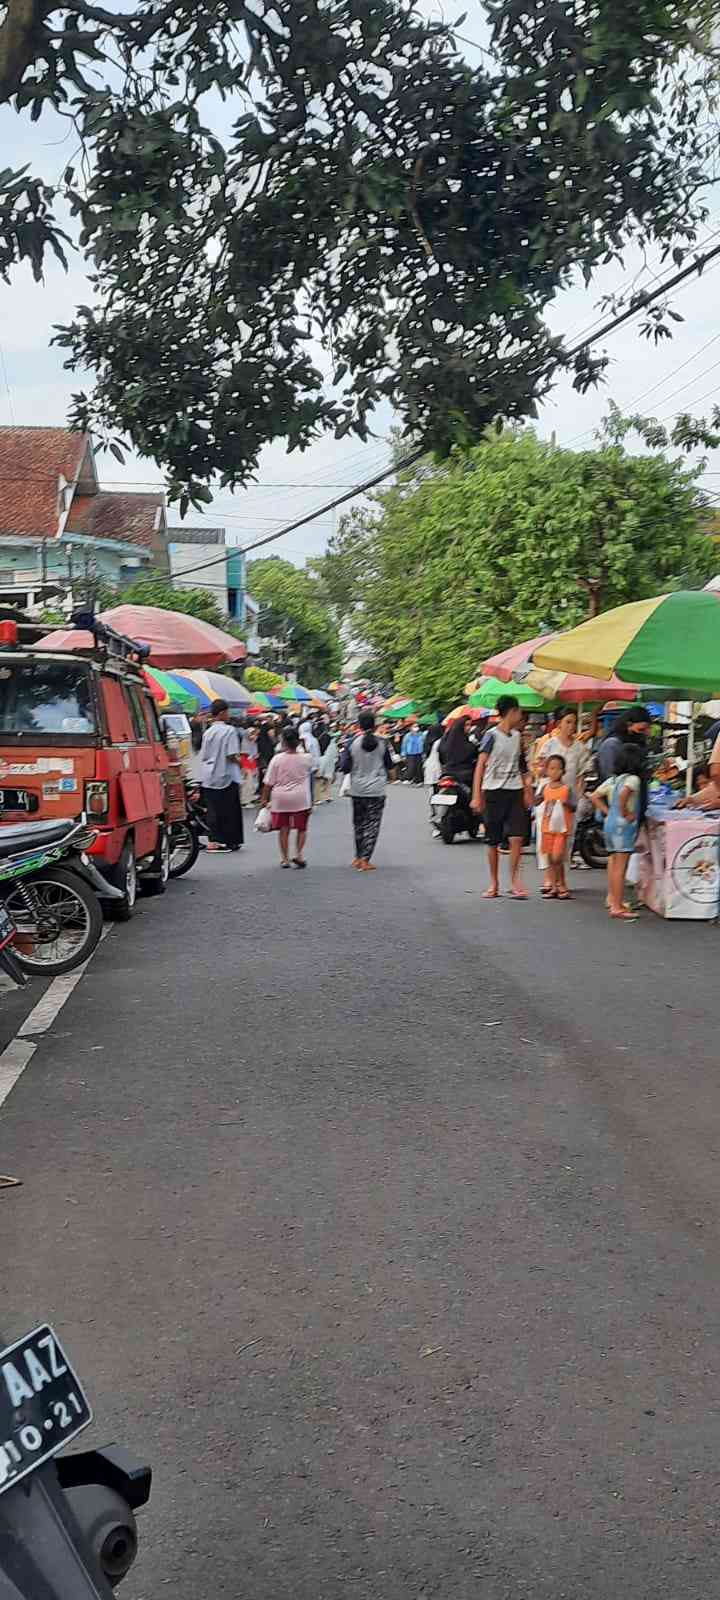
(679, 873)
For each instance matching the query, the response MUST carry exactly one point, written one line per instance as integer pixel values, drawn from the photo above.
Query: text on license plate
(445, 800)
(42, 1404)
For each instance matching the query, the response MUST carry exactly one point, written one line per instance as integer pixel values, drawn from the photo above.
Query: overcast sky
(35, 389)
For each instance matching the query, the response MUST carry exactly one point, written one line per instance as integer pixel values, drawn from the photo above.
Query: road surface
(384, 1221)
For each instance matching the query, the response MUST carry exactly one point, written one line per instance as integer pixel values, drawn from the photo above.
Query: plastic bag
(345, 785)
(263, 820)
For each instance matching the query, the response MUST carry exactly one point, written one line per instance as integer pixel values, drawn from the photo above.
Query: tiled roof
(31, 462)
(118, 515)
(196, 535)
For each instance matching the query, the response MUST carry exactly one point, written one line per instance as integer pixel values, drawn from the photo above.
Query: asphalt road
(384, 1221)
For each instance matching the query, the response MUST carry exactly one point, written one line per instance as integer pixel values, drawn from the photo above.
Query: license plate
(7, 927)
(17, 800)
(42, 1404)
(445, 800)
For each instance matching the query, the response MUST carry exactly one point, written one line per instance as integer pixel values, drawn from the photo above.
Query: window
(152, 716)
(136, 711)
(46, 697)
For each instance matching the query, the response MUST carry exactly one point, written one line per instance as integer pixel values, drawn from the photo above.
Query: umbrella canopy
(476, 712)
(292, 691)
(670, 639)
(209, 686)
(507, 662)
(169, 691)
(261, 702)
(492, 688)
(573, 689)
(405, 711)
(175, 639)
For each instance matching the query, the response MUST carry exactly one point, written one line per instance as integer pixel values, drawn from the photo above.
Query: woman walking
(367, 760)
(287, 791)
(564, 742)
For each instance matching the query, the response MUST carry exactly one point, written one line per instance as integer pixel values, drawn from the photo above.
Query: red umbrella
(506, 662)
(175, 640)
(573, 689)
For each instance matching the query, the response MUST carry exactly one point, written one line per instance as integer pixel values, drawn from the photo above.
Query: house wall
(207, 572)
(23, 568)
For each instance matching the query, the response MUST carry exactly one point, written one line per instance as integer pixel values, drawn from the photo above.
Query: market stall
(679, 864)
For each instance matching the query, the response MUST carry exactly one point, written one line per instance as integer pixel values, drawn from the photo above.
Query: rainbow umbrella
(260, 702)
(476, 712)
(404, 708)
(209, 686)
(491, 690)
(167, 690)
(293, 691)
(670, 639)
(506, 663)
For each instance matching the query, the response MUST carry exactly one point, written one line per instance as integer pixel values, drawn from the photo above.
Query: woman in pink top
(288, 781)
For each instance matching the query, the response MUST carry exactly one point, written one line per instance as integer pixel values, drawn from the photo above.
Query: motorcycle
(51, 918)
(67, 1524)
(450, 811)
(186, 836)
(590, 841)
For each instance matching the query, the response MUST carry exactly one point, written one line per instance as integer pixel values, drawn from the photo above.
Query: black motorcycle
(450, 812)
(50, 914)
(590, 841)
(67, 1525)
(186, 837)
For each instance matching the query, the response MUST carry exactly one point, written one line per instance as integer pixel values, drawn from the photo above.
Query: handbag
(263, 820)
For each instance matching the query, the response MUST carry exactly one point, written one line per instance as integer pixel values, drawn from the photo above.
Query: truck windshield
(43, 697)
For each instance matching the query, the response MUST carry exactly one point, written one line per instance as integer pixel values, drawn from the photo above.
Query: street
(383, 1221)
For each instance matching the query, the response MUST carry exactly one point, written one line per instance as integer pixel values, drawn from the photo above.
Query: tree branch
(18, 40)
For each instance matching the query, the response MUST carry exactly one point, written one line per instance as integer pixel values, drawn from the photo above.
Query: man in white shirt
(503, 792)
(221, 775)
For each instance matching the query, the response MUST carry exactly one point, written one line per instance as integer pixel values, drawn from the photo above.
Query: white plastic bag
(263, 820)
(345, 785)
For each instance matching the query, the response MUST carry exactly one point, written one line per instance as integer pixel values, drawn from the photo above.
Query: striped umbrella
(209, 686)
(506, 663)
(670, 639)
(293, 691)
(574, 689)
(476, 712)
(167, 691)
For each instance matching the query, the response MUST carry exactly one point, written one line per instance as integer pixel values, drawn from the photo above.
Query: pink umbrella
(175, 640)
(573, 689)
(507, 662)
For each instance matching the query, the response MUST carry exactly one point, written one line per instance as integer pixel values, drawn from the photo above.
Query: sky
(683, 374)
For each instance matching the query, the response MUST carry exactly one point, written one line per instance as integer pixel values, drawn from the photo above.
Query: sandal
(298, 863)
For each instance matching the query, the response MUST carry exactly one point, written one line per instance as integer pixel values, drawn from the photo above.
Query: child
(619, 800)
(555, 822)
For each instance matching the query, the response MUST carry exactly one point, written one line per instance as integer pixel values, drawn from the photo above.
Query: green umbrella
(491, 690)
(406, 708)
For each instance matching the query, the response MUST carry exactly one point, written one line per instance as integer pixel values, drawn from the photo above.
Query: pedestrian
(632, 727)
(620, 799)
(434, 733)
(287, 792)
(265, 751)
(563, 741)
(412, 750)
(221, 775)
(249, 763)
(367, 760)
(555, 816)
(502, 792)
(458, 754)
(326, 768)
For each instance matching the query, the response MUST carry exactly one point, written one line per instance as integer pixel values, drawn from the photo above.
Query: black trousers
(225, 815)
(367, 816)
(415, 768)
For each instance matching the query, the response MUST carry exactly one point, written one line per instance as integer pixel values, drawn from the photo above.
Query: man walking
(221, 776)
(412, 749)
(503, 791)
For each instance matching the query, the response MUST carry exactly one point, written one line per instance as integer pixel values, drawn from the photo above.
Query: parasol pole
(690, 751)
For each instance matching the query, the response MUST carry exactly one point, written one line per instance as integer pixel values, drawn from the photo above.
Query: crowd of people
(512, 772)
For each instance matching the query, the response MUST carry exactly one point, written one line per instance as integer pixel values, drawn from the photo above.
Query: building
(194, 553)
(61, 534)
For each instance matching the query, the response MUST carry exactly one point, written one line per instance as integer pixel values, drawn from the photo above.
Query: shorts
(620, 836)
(505, 815)
(290, 819)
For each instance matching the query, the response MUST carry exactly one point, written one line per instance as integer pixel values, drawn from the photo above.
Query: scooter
(186, 837)
(51, 915)
(450, 811)
(67, 1525)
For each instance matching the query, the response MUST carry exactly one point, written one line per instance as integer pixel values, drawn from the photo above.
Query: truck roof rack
(108, 640)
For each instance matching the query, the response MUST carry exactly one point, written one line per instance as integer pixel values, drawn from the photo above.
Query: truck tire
(124, 877)
(155, 880)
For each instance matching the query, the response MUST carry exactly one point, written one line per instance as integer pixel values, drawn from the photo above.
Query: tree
(260, 679)
(514, 538)
(376, 195)
(295, 616)
(158, 591)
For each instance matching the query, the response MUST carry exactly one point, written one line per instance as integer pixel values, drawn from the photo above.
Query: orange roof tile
(31, 463)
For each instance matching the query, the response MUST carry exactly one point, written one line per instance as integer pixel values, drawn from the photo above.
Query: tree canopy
(275, 193)
(512, 538)
(154, 590)
(259, 678)
(296, 621)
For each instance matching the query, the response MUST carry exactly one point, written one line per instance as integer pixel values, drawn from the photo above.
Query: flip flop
(519, 894)
(564, 896)
(298, 863)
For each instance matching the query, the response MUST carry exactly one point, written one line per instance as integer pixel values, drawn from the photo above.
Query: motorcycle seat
(26, 835)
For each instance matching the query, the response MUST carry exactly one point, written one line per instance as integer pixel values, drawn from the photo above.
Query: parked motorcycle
(450, 810)
(67, 1525)
(186, 836)
(590, 841)
(49, 890)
